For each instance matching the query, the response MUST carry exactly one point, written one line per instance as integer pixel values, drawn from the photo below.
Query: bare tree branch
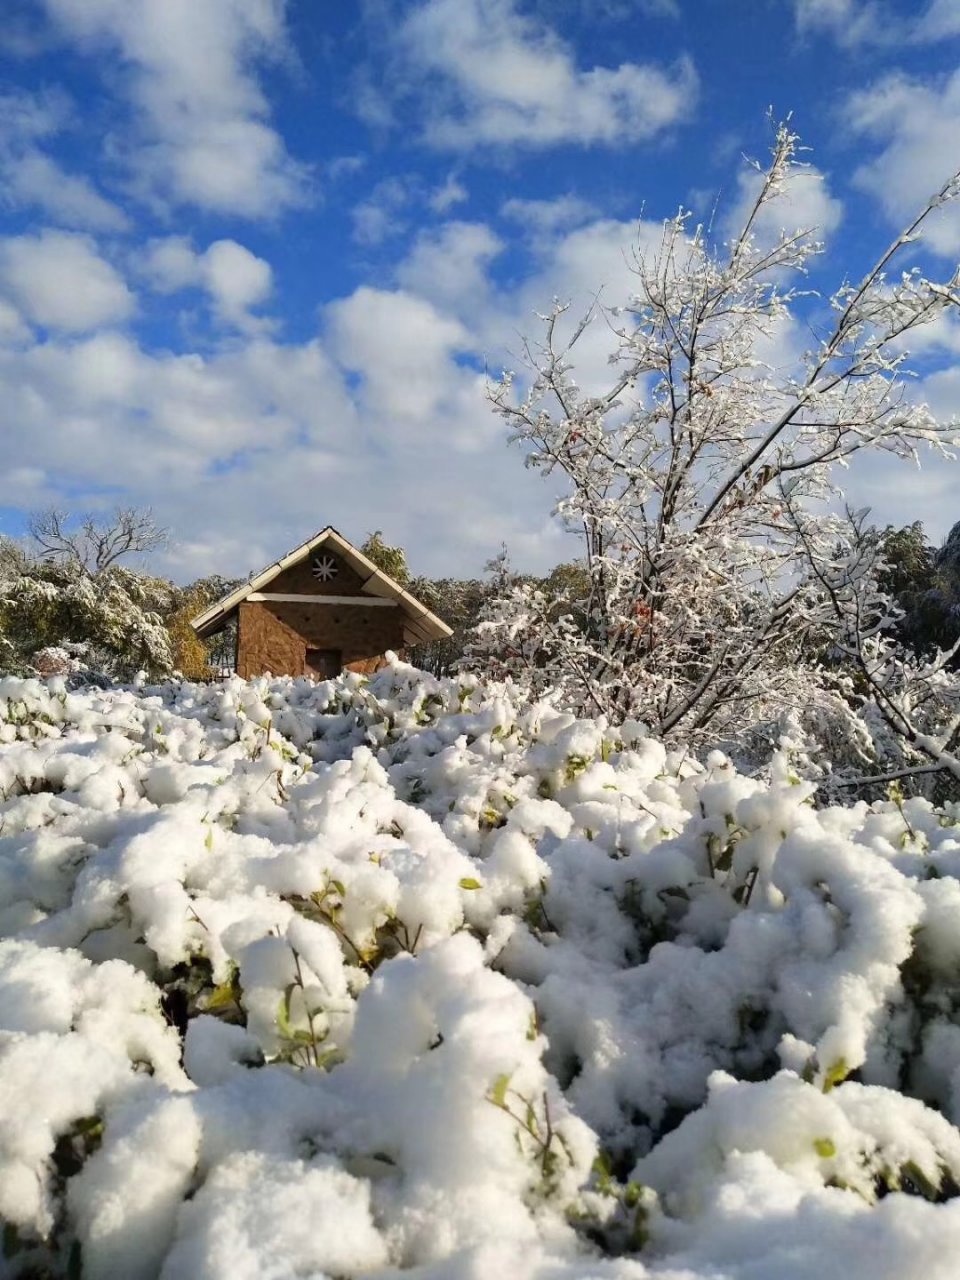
(93, 545)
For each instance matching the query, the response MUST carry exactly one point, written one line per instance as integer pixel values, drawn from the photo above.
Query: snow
(410, 976)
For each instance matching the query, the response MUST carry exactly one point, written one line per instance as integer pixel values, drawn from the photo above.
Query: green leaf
(917, 1180)
(338, 885)
(208, 838)
(632, 1193)
(825, 1148)
(283, 1012)
(224, 996)
(532, 1124)
(498, 1094)
(640, 1233)
(469, 883)
(835, 1074)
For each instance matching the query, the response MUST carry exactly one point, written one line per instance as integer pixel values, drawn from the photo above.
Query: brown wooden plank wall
(275, 635)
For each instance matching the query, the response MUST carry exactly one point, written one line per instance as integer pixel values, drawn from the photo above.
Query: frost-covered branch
(681, 472)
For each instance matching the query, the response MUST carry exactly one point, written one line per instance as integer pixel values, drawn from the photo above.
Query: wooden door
(323, 664)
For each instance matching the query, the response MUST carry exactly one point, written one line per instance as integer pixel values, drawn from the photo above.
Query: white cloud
(28, 117)
(31, 178)
(591, 260)
(941, 21)
(544, 217)
(388, 211)
(451, 192)
(170, 264)
(35, 179)
(235, 279)
(916, 125)
(877, 22)
(104, 408)
(59, 281)
(383, 213)
(379, 421)
(246, 452)
(449, 266)
(12, 328)
(203, 135)
(507, 79)
(401, 345)
(850, 22)
(898, 493)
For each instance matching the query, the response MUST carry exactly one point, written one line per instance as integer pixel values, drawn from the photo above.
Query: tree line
(66, 601)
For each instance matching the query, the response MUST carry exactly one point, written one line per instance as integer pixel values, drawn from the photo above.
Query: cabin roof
(424, 625)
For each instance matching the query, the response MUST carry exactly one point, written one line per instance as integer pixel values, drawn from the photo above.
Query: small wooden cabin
(322, 609)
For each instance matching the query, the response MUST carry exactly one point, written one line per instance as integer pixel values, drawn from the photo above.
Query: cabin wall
(275, 635)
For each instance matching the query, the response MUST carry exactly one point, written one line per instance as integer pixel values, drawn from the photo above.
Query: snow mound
(417, 976)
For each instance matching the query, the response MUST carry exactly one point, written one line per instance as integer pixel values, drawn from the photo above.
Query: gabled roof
(423, 625)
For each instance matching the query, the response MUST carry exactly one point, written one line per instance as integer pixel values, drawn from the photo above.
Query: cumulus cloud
(31, 178)
(544, 217)
(915, 125)
(507, 79)
(237, 280)
(12, 328)
(394, 203)
(451, 192)
(203, 135)
(402, 346)
(848, 21)
(37, 180)
(449, 265)
(384, 213)
(941, 21)
(877, 22)
(59, 281)
(247, 451)
(234, 279)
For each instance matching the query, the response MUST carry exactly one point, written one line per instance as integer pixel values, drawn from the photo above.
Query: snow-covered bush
(701, 478)
(417, 975)
(112, 622)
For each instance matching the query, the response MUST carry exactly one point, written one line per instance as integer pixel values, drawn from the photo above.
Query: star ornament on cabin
(324, 568)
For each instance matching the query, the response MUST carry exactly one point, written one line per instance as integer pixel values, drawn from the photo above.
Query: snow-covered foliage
(111, 622)
(418, 976)
(700, 475)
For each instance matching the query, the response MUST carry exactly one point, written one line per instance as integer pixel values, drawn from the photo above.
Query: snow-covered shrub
(717, 588)
(419, 974)
(113, 622)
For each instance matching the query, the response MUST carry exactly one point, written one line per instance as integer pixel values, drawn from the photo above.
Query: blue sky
(255, 256)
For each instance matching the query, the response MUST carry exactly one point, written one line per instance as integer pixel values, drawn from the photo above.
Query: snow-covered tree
(113, 622)
(66, 601)
(392, 560)
(700, 479)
